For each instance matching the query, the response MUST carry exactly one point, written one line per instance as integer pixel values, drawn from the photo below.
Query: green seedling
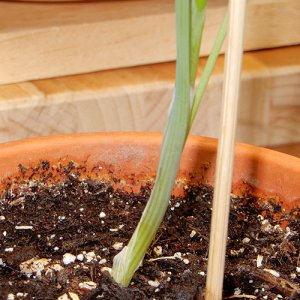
(190, 16)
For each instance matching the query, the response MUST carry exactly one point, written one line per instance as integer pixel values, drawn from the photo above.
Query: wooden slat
(46, 40)
(137, 99)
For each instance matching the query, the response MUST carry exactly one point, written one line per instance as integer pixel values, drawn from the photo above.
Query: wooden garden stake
(225, 156)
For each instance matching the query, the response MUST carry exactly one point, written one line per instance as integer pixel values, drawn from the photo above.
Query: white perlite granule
(68, 258)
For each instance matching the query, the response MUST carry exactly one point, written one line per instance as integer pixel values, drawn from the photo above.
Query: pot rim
(155, 135)
(262, 171)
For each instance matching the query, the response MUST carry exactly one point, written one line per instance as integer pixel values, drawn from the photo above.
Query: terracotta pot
(133, 157)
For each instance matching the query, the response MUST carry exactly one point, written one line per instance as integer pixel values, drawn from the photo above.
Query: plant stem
(190, 15)
(128, 260)
(198, 9)
(208, 69)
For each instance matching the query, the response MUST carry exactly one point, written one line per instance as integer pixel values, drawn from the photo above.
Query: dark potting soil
(58, 242)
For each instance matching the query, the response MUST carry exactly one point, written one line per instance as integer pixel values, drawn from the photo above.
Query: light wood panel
(137, 99)
(47, 40)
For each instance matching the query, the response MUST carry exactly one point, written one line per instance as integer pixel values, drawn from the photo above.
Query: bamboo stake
(225, 156)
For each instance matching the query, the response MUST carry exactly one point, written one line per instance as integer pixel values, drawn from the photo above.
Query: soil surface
(57, 241)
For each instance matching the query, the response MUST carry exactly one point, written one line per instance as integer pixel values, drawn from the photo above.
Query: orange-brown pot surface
(132, 159)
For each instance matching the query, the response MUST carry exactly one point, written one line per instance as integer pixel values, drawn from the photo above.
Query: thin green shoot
(189, 15)
(197, 19)
(208, 69)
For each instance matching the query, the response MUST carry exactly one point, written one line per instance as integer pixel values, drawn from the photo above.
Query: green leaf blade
(128, 260)
(198, 11)
(208, 69)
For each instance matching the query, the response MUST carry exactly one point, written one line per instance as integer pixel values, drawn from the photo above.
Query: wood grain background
(137, 99)
(46, 40)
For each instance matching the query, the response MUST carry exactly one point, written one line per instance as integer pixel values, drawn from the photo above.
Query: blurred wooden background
(132, 45)
(39, 40)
